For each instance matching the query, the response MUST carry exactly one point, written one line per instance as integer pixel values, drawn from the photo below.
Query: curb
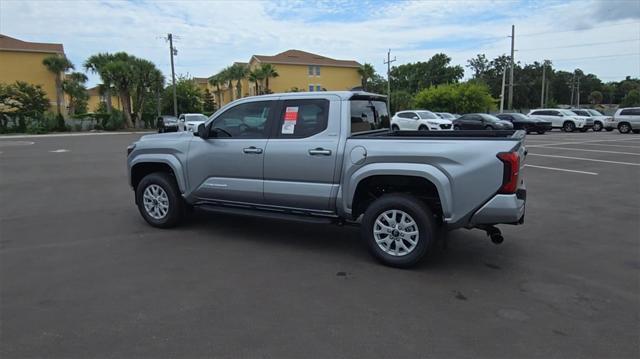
(3, 137)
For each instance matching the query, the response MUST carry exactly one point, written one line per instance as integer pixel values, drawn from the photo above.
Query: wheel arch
(144, 165)
(426, 181)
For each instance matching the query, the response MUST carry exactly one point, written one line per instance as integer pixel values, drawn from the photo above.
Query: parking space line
(579, 143)
(606, 145)
(562, 169)
(600, 151)
(585, 159)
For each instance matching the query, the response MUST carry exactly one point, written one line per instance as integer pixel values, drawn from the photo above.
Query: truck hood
(166, 136)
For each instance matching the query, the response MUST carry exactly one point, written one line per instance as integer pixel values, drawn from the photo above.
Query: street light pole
(173, 52)
(513, 36)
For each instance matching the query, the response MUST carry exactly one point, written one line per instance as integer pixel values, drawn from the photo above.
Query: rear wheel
(159, 200)
(541, 132)
(457, 128)
(395, 127)
(398, 229)
(423, 128)
(488, 128)
(597, 126)
(569, 126)
(624, 127)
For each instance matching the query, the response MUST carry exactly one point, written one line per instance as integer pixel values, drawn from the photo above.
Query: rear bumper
(502, 208)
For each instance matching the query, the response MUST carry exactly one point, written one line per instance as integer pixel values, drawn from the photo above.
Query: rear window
(367, 115)
(581, 112)
(630, 112)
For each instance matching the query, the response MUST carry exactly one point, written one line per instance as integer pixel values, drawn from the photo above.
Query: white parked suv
(600, 121)
(566, 120)
(627, 120)
(421, 120)
(191, 121)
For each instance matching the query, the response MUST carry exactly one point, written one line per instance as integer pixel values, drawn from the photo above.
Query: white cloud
(213, 34)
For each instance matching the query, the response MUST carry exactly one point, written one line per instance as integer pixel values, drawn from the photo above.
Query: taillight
(511, 162)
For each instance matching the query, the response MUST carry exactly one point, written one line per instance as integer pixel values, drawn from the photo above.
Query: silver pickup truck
(329, 157)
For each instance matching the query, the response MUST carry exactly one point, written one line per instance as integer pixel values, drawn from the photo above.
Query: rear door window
(303, 118)
(630, 112)
(367, 115)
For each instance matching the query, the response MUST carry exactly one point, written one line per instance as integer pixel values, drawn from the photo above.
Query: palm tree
(216, 81)
(121, 71)
(73, 86)
(367, 72)
(58, 65)
(226, 76)
(238, 72)
(256, 76)
(96, 64)
(268, 71)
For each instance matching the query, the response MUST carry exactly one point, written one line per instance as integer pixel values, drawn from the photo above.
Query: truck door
(300, 157)
(229, 165)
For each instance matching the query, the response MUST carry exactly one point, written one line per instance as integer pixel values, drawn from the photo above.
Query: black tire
(421, 215)
(160, 130)
(624, 127)
(176, 210)
(488, 128)
(597, 126)
(395, 128)
(636, 131)
(609, 129)
(568, 126)
(457, 128)
(541, 132)
(423, 128)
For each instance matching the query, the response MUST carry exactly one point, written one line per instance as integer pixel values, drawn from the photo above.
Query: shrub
(456, 98)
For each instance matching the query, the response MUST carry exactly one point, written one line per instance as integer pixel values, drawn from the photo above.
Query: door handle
(252, 149)
(320, 151)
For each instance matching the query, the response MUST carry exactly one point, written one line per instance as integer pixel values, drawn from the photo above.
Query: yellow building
(297, 71)
(22, 61)
(96, 98)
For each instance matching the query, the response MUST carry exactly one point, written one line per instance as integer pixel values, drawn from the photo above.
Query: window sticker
(290, 119)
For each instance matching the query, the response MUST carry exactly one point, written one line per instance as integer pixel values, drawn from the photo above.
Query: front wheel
(159, 200)
(488, 128)
(456, 128)
(624, 127)
(395, 128)
(398, 229)
(569, 126)
(597, 127)
(423, 128)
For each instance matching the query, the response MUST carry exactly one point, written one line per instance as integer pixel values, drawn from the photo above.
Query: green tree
(268, 71)
(456, 98)
(121, 71)
(209, 104)
(148, 82)
(400, 100)
(217, 81)
(189, 95)
(256, 76)
(58, 65)
(414, 77)
(74, 86)
(479, 65)
(596, 97)
(20, 102)
(631, 99)
(236, 73)
(96, 64)
(366, 73)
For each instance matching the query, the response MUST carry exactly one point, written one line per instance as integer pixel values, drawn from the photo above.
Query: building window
(317, 70)
(311, 87)
(313, 70)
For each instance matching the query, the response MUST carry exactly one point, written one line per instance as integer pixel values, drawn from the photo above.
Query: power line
(580, 45)
(595, 27)
(597, 57)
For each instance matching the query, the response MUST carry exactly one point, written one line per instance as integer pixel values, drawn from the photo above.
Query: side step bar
(268, 214)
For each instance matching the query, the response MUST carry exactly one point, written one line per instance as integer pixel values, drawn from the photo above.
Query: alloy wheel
(396, 232)
(156, 201)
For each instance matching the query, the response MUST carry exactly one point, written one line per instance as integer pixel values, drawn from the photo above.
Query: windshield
(446, 115)
(367, 115)
(427, 115)
(519, 116)
(490, 118)
(595, 113)
(195, 117)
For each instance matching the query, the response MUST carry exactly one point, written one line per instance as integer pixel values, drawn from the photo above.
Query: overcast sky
(601, 37)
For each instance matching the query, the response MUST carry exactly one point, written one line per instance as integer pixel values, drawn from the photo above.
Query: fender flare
(428, 172)
(167, 159)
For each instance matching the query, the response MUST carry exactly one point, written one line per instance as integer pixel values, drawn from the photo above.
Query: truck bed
(508, 135)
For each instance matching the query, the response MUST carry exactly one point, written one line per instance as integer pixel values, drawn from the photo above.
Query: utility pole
(173, 52)
(578, 92)
(513, 36)
(572, 87)
(388, 63)
(504, 75)
(544, 68)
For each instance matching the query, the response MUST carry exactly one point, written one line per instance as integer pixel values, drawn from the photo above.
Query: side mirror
(202, 131)
(416, 117)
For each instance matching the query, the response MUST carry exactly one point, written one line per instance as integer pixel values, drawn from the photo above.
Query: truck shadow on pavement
(466, 250)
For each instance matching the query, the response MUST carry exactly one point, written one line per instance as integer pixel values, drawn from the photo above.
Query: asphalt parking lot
(82, 275)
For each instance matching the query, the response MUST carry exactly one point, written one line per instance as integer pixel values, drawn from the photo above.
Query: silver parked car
(627, 120)
(326, 157)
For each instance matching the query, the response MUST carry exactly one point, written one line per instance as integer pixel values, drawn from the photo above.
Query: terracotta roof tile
(9, 43)
(297, 57)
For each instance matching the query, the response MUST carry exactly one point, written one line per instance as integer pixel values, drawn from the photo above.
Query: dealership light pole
(388, 63)
(544, 68)
(504, 75)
